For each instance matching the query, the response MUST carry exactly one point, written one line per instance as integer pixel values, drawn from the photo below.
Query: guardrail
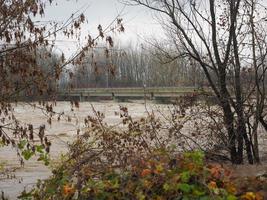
(124, 93)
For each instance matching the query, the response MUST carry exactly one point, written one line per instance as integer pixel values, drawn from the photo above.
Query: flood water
(60, 133)
(63, 132)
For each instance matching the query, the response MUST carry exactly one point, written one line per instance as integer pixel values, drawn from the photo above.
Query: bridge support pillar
(81, 97)
(152, 97)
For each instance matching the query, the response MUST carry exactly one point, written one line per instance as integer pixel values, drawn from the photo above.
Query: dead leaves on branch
(21, 35)
(26, 71)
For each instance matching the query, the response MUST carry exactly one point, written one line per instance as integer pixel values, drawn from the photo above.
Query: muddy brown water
(63, 132)
(60, 133)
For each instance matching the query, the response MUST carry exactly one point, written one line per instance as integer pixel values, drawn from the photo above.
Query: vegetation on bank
(141, 159)
(159, 176)
(137, 160)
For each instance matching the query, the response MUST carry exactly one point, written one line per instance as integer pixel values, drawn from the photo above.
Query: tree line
(134, 66)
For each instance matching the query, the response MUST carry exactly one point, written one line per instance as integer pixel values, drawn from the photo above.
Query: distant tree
(135, 66)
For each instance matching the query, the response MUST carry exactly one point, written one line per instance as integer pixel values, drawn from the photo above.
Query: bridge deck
(150, 92)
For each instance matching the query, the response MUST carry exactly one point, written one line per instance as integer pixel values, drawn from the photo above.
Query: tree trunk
(247, 143)
(228, 121)
(256, 147)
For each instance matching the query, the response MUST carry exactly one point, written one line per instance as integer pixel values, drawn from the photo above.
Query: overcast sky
(138, 21)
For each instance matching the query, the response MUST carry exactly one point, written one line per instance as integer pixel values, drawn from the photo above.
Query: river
(60, 133)
(64, 131)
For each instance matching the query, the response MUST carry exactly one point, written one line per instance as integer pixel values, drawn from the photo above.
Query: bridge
(151, 93)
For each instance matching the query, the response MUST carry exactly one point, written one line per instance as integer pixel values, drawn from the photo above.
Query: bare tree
(135, 66)
(225, 38)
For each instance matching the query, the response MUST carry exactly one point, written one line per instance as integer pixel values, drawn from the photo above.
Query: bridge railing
(132, 90)
(151, 92)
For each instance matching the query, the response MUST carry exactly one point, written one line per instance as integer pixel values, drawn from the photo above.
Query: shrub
(135, 160)
(158, 176)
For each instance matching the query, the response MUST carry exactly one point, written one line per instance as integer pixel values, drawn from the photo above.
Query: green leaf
(22, 144)
(196, 156)
(185, 187)
(2, 144)
(231, 197)
(185, 176)
(45, 158)
(166, 187)
(185, 198)
(140, 196)
(205, 198)
(39, 148)
(27, 154)
(51, 189)
(198, 192)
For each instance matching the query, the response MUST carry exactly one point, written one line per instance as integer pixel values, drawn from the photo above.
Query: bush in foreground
(159, 176)
(138, 160)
